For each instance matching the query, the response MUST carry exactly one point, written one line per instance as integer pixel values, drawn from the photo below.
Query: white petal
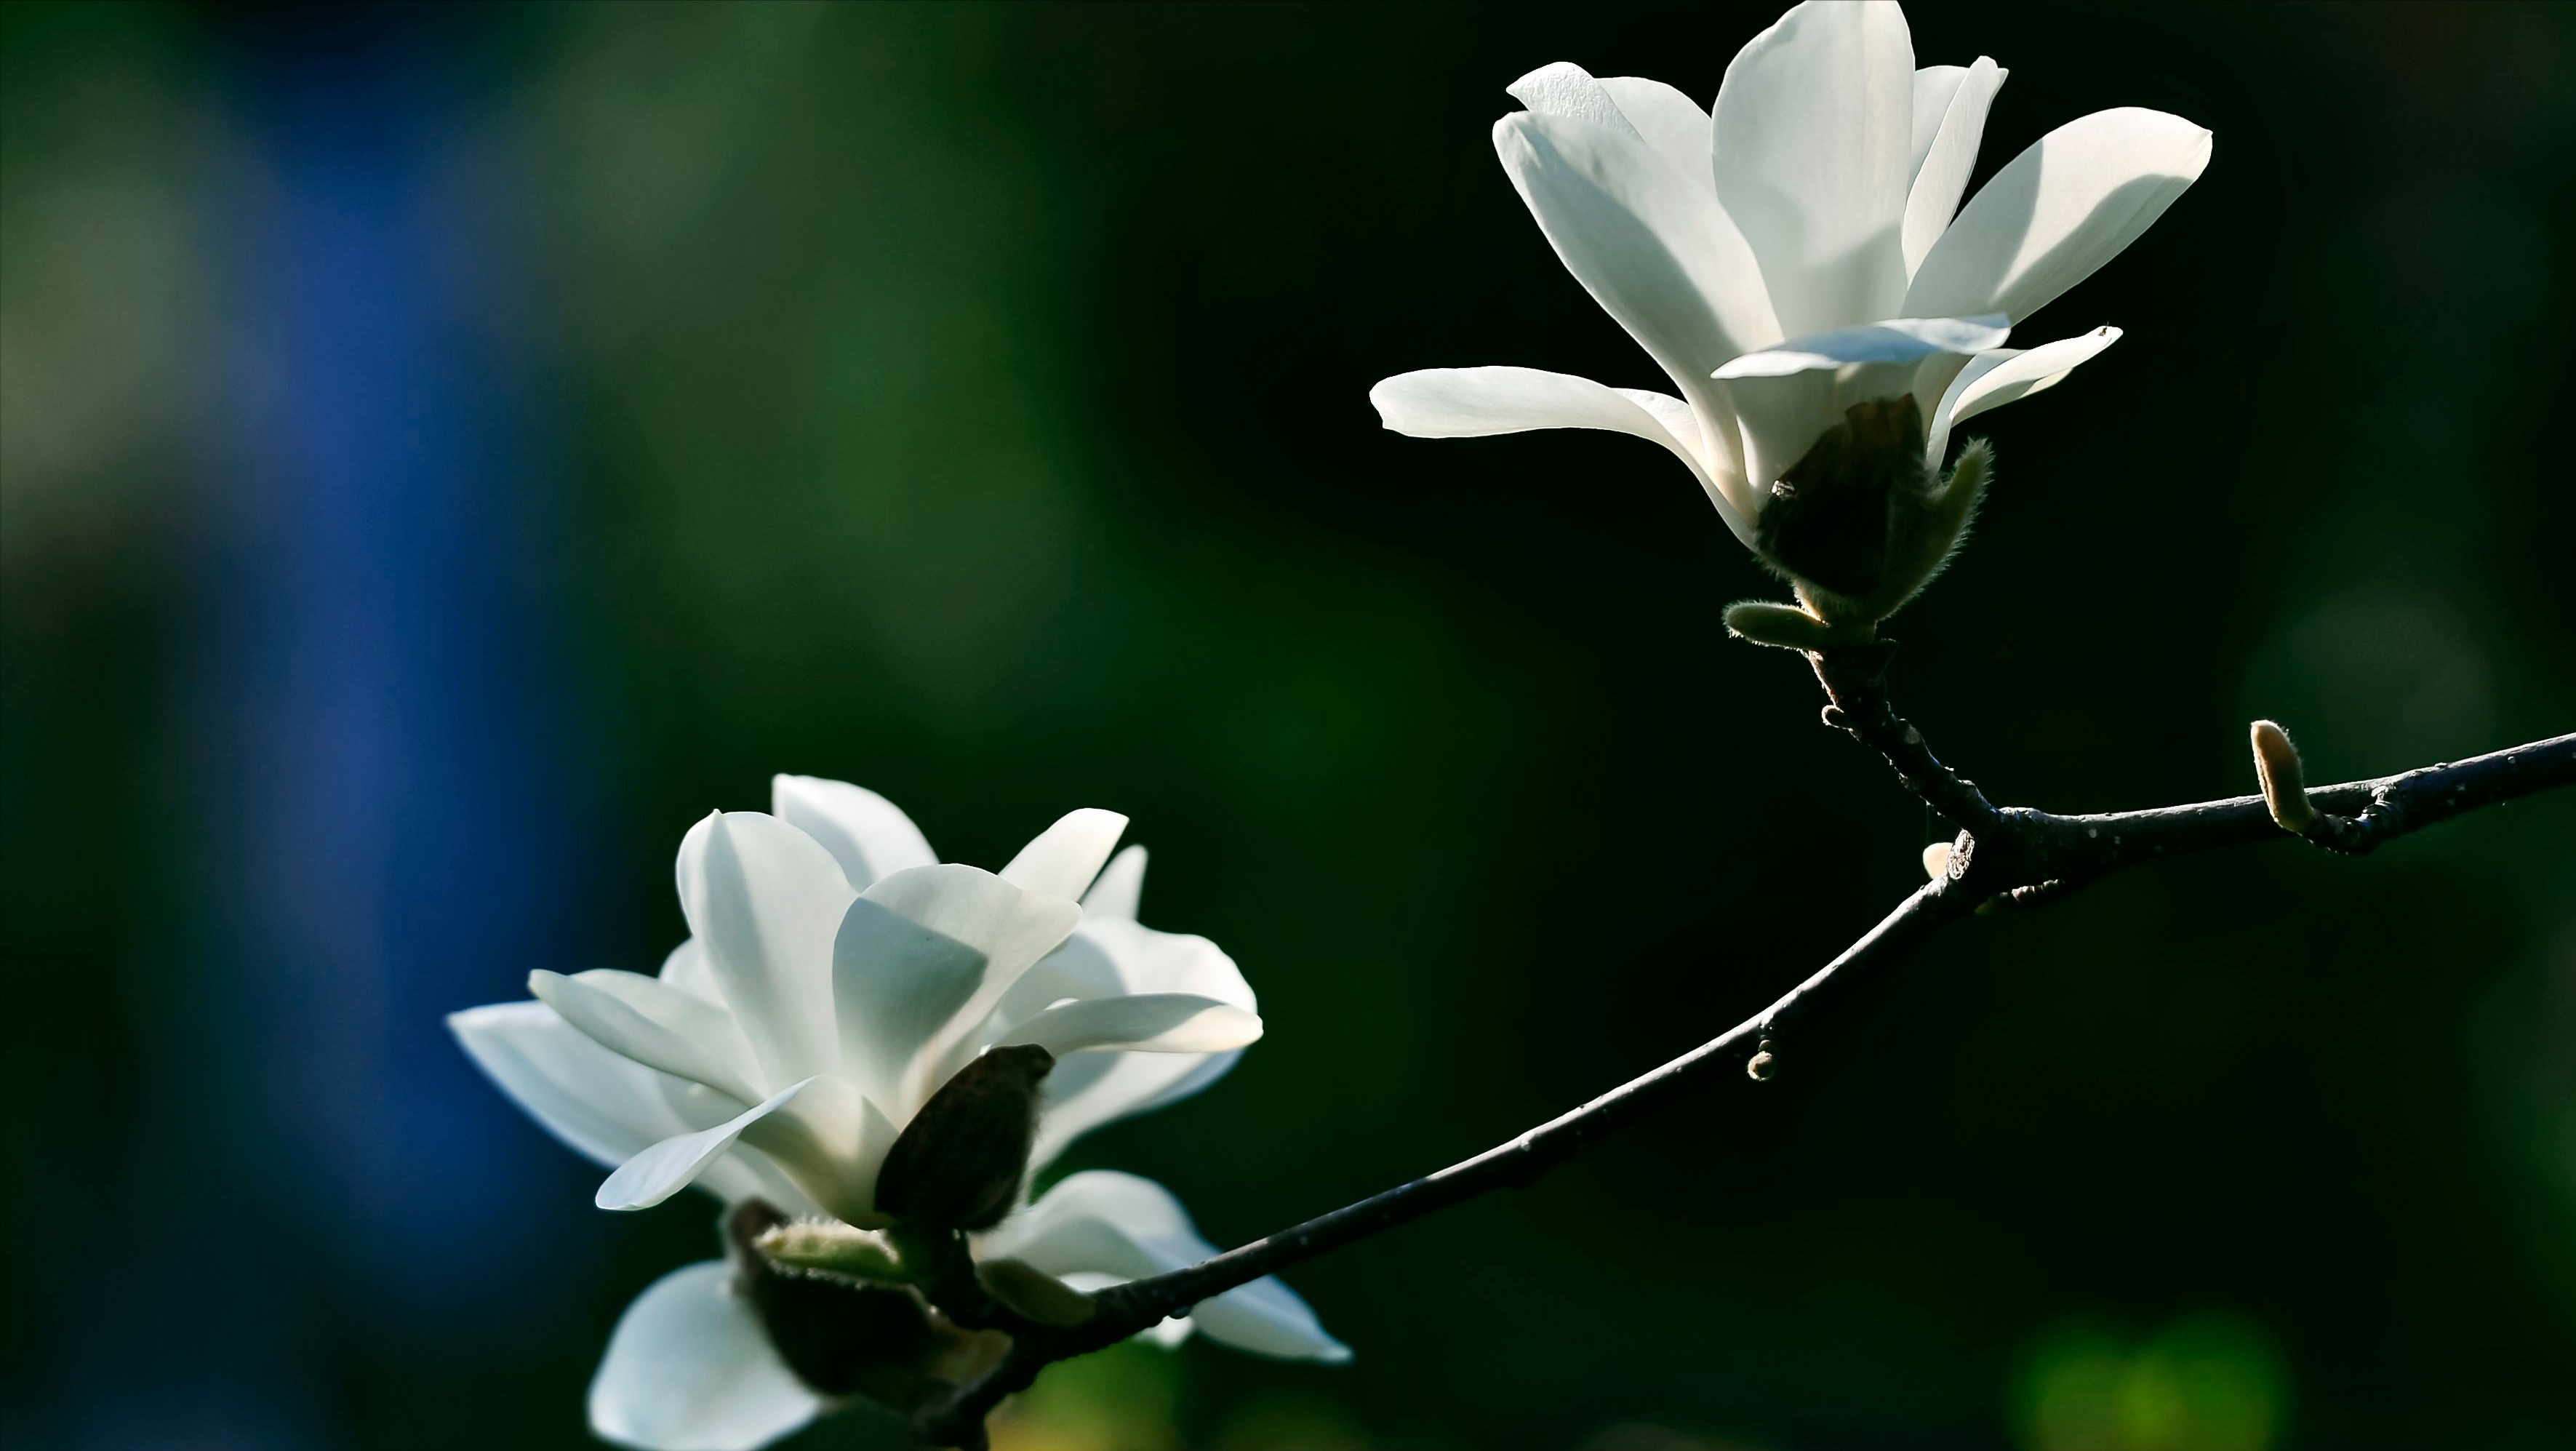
(1946, 157)
(1995, 379)
(1935, 87)
(1896, 340)
(1066, 856)
(1108, 956)
(1120, 886)
(1481, 402)
(1672, 123)
(1011, 927)
(666, 1168)
(869, 835)
(765, 901)
(1814, 149)
(1139, 1023)
(1568, 90)
(1111, 1224)
(688, 970)
(2064, 207)
(831, 1140)
(895, 985)
(1650, 244)
(655, 1024)
(689, 1368)
(604, 1107)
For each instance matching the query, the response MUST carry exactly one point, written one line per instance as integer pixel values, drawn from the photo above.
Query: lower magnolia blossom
(838, 976)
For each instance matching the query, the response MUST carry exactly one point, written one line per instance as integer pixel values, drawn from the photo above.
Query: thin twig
(2028, 857)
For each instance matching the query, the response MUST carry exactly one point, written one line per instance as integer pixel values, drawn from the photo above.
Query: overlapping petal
(1652, 245)
(1118, 888)
(1814, 150)
(867, 834)
(1998, 378)
(764, 900)
(1065, 857)
(1947, 153)
(689, 1368)
(896, 986)
(1895, 340)
(655, 1024)
(2070, 203)
(1103, 1223)
(664, 1169)
(1482, 402)
(1138, 1023)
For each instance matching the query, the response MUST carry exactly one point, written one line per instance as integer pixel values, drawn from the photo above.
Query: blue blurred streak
(385, 786)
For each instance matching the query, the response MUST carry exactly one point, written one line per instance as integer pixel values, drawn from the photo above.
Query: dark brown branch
(2003, 855)
(1140, 1304)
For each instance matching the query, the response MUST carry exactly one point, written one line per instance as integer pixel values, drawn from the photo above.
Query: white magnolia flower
(837, 976)
(1795, 252)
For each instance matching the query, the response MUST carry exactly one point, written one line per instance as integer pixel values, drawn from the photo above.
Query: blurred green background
(448, 451)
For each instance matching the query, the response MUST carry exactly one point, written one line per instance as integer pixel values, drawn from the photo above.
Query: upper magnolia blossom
(837, 977)
(1793, 255)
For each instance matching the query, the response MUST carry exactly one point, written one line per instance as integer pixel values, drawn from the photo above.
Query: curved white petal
(689, 1368)
(1672, 123)
(1995, 379)
(666, 1168)
(1065, 857)
(1120, 886)
(1814, 150)
(604, 1107)
(831, 1140)
(867, 834)
(1566, 89)
(2064, 207)
(1112, 955)
(655, 1024)
(1110, 1224)
(895, 985)
(687, 969)
(764, 901)
(1935, 87)
(1946, 156)
(1011, 927)
(1482, 402)
(1138, 1023)
(1895, 340)
(1650, 244)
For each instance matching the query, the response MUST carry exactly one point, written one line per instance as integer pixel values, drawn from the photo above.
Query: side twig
(2005, 855)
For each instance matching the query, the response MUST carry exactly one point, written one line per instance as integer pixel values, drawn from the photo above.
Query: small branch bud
(2276, 764)
(1936, 860)
(1762, 1064)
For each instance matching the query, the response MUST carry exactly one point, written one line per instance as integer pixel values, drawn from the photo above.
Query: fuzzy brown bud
(2276, 765)
(958, 1164)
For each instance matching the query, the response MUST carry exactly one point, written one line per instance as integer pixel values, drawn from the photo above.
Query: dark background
(448, 452)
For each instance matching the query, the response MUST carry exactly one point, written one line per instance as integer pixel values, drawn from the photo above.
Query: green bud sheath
(1835, 517)
(1859, 526)
(827, 1246)
(958, 1164)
